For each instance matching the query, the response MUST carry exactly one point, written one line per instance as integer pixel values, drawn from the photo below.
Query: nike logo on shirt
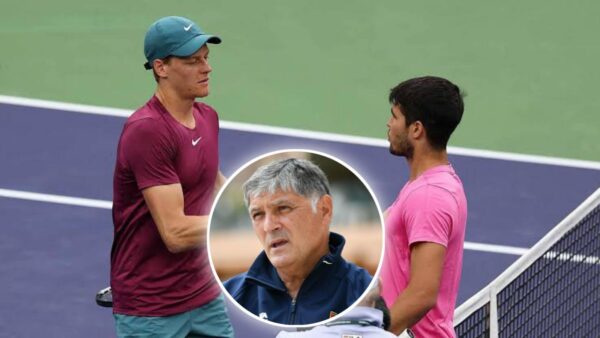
(194, 142)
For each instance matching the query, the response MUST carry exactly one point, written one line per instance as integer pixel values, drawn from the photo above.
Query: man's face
(189, 75)
(291, 233)
(400, 144)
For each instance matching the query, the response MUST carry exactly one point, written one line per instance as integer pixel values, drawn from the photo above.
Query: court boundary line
(103, 204)
(308, 134)
(56, 199)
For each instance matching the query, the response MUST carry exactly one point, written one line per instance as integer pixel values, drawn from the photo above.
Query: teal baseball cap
(174, 35)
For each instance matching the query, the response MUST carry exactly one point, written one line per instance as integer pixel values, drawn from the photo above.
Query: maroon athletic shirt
(155, 149)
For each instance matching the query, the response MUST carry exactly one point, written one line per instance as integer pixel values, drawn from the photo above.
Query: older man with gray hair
(300, 277)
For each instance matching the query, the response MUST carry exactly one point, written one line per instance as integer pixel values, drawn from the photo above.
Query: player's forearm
(219, 182)
(410, 307)
(186, 233)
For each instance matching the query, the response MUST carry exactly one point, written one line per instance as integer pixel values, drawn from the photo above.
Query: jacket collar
(264, 273)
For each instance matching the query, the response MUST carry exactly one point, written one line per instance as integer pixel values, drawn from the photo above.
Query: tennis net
(552, 291)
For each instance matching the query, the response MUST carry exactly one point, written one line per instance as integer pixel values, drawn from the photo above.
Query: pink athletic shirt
(432, 208)
(155, 149)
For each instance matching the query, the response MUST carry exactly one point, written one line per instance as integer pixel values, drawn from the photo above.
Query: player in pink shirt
(425, 226)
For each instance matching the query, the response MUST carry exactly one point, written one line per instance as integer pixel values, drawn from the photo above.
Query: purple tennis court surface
(55, 257)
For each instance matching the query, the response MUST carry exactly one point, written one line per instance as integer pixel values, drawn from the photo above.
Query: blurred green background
(529, 68)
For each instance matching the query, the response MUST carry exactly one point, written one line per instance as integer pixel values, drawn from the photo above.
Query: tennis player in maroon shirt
(166, 174)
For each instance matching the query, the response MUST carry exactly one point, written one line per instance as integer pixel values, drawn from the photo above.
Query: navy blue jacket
(329, 289)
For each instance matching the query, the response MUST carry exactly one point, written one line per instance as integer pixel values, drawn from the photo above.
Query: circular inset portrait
(295, 237)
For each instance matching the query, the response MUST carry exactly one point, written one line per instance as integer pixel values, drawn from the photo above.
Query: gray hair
(291, 175)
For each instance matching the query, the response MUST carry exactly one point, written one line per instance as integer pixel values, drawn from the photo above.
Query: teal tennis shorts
(210, 320)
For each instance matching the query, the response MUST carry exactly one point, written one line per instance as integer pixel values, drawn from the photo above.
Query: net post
(493, 313)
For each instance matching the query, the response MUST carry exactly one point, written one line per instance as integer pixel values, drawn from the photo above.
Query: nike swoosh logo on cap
(187, 28)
